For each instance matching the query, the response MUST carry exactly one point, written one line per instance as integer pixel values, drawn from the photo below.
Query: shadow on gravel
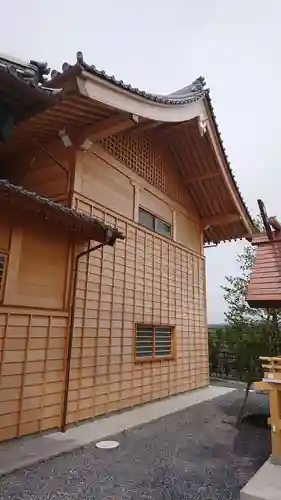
(257, 420)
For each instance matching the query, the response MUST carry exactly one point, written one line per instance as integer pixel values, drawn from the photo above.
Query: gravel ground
(194, 454)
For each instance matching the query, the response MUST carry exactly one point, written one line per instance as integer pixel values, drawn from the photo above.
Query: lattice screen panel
(149, 163)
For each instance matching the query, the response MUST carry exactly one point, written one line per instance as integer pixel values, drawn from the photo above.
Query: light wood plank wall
(146, 278)
(33, 328)
(32, 347)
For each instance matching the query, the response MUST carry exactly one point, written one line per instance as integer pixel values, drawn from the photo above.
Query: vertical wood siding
(148, 279)
(32, 349)
(33, 329)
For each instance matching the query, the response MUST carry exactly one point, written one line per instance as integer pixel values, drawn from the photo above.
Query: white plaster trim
(104, 92)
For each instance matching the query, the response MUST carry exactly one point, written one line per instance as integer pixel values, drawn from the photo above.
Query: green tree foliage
(249, 334)
(235, 289)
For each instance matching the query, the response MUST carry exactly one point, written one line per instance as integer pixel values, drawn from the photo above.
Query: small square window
(153, 342)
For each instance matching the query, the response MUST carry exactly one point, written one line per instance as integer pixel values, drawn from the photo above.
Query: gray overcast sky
(161, 46)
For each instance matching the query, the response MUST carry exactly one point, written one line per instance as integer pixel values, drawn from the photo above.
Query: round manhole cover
(107, 445)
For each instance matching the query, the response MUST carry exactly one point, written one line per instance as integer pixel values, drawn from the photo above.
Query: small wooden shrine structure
(264, 291)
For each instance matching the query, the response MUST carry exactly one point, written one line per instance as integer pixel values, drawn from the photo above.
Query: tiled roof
(193, 92)
(33, 74)
(70, 219)
(264, 289)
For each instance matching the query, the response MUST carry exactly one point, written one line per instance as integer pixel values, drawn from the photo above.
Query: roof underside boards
(81, 226)
(215, 193)
(264, 290)
(205, 183)
(73, 113)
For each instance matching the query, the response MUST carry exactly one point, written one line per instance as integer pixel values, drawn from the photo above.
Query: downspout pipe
(110, 240)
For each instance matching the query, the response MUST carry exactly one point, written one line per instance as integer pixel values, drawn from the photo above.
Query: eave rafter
(213, 143)
(197, 178)
(219, 220)
(202, 175)
(183, 174)
(101, 129)
(165, 129)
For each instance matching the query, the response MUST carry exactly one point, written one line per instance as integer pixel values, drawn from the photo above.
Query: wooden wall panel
(5, 234)
(32, 351)
(38, 267)
(104, 179)
(149, 279)
(188, 232)
(100, 181)
(152, 161)
(44, 176)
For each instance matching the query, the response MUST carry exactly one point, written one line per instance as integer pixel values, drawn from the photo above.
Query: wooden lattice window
(3, 266)
(154, 223)
(154, 342)
(147, 161)
(138, 155)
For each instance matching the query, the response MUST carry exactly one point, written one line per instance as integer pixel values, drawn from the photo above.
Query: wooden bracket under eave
(101, 129)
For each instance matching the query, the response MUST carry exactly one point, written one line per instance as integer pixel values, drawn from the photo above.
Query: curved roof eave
(178, 106)
(182, 105)
(104, 92)
(191, 93)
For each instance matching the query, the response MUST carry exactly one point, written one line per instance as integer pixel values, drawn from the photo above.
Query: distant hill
(214, 326)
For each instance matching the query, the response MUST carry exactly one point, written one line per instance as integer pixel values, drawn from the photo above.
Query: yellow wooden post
(275, 420)
(272, 384)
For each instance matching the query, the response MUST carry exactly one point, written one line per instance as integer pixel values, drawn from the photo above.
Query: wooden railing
(272, 383)
(272, 368)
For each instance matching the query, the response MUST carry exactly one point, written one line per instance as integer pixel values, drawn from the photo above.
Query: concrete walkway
(27, 451)
(264, 485)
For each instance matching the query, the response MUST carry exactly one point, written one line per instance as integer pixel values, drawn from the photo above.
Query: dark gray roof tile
(193, 92)
(51, 210)
(33, 74)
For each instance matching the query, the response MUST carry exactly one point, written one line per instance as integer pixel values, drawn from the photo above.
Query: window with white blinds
(154, 342)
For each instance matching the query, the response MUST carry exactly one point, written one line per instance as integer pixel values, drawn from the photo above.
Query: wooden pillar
(275, 420)
(174, 225)
(13, 266)
(136, 202)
